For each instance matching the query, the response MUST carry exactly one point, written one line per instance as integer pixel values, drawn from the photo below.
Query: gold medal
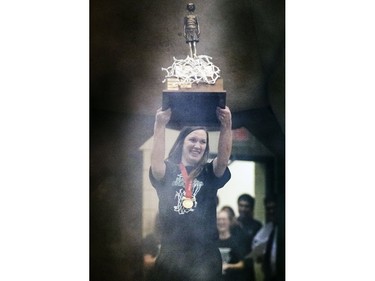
(187, 203)
(188, 199)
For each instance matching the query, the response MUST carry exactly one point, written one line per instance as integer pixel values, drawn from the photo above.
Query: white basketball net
(199, 69)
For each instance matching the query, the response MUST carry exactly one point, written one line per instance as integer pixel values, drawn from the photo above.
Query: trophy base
(193, 108)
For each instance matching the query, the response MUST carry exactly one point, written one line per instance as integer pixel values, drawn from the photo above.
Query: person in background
(235, 228)
(232, 257)
(249, 227)
(264, 244)
(151, 248)
(186, 184)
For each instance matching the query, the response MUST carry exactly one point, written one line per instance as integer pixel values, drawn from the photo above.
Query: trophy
(193, 85)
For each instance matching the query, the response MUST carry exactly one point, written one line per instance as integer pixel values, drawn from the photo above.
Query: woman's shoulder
(170, 165)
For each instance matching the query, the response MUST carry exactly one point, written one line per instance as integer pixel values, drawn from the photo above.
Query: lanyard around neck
(188, 182)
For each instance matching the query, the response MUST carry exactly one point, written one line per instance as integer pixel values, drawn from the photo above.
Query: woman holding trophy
(187, 185)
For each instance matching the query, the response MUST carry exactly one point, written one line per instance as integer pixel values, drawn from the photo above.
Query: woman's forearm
(158, 147)
(225, 142)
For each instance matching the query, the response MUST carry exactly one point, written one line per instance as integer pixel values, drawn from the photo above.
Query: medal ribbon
(188, 182)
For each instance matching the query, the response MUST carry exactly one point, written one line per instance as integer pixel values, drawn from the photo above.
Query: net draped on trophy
(193, 85)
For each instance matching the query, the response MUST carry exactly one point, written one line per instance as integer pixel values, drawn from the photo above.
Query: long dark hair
(175, 155)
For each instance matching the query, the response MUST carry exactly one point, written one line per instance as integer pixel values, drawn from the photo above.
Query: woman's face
(194, 147)
(223, 222)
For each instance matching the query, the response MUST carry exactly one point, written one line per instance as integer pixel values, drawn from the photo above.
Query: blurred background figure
(235, 228)
(249, 227)
(151, 248)
(264, 243)
(230, 250)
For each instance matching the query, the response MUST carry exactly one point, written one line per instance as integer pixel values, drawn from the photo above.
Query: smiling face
(194, 147)
(223, 222)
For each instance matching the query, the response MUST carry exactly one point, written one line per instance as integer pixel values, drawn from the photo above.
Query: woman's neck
(187, 164)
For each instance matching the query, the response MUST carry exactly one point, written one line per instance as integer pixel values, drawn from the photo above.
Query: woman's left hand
(225, 116)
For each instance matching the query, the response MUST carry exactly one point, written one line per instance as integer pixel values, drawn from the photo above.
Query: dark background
(129, 43)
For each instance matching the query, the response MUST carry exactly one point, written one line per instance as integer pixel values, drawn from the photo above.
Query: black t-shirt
(249, 227)
(187, 227)
(235, 252)
(236, 255)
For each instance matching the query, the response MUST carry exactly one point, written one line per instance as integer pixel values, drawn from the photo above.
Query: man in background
(264, 244)
(249, 228)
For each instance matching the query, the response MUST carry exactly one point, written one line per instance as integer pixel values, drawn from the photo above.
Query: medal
(187, 200)
(187, 203)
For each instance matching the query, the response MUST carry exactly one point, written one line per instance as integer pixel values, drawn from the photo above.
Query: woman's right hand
(162, 117)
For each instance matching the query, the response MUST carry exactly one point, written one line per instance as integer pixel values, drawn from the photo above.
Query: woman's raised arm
(158, 148)
(225, 141)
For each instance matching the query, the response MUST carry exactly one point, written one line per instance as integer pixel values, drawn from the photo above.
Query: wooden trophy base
(194, 106)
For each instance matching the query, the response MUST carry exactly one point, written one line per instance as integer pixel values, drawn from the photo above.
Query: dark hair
(248, 198)
(175, 155)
